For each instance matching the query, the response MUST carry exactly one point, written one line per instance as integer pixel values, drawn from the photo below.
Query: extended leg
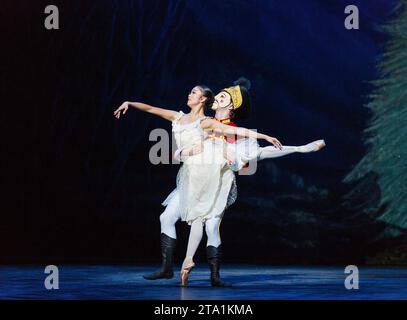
(273, 152)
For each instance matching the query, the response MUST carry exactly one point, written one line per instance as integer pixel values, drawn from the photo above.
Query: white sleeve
(179, 115)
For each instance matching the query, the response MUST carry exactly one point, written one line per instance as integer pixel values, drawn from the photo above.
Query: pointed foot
(186, 270)
(313, 146)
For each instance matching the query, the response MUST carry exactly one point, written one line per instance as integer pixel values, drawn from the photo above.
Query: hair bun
(243, 82)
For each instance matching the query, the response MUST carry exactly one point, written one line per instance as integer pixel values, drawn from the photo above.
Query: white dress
(205, 184)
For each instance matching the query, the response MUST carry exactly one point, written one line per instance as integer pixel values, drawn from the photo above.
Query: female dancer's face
(222, 100)
(196, 97)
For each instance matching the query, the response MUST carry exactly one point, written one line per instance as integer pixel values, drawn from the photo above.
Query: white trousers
(171, 215)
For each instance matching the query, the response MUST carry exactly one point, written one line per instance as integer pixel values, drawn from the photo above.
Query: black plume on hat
(243, 83)
(243, 111)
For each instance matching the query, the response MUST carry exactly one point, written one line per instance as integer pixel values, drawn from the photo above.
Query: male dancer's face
(222, 101)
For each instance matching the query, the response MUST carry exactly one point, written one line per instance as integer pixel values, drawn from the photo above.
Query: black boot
(214, 255)
(167, 252)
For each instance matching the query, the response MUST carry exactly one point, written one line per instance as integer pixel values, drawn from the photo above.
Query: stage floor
(249, 282)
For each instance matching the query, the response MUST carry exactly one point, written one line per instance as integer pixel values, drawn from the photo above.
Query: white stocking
(273, 152)
(195, 237)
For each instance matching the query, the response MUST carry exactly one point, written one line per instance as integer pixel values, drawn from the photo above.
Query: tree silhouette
(386, 133)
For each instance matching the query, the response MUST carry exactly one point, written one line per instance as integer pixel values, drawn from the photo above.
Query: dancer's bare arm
(169, 115)
(183, 154)
(216, 126)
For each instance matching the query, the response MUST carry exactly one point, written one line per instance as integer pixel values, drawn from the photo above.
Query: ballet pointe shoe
(320, 144)
(187, 267)
(312, 146)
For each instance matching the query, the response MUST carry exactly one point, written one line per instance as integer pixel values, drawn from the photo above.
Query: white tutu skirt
(205, 184)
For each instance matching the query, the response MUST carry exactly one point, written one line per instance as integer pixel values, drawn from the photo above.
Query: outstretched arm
(224, 129)
(169, 115)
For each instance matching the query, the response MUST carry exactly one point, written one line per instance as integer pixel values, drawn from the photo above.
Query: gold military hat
(236, 95)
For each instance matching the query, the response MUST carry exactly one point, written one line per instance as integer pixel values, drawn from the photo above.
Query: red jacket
(229, 139)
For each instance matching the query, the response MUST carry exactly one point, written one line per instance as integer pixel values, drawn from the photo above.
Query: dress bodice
(189, 134)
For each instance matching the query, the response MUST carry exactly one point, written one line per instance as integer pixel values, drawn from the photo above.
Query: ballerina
(205, 184)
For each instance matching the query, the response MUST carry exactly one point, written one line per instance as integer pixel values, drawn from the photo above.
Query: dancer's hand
(123, 108)
(229, 156)
(191, 151)
(275, 142)
(198, 148)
